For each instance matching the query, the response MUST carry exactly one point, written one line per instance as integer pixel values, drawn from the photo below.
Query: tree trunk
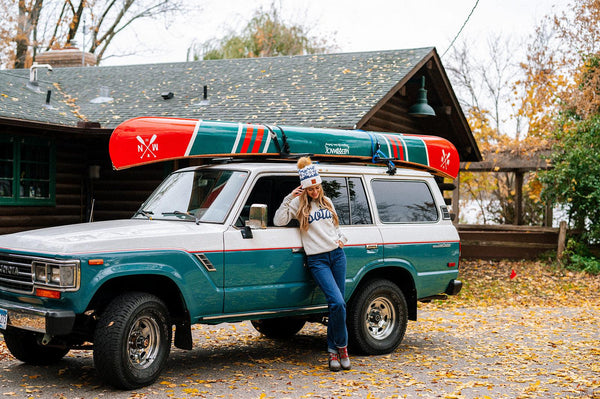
(28, 20)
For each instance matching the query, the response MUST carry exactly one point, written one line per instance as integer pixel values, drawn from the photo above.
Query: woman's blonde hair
(322, 202)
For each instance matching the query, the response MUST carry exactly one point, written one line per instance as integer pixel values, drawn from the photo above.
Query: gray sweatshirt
(322, 235)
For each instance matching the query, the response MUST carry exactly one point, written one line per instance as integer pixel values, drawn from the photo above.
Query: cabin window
(27, 171)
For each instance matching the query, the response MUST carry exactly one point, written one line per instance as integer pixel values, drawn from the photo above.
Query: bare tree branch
(62, 20)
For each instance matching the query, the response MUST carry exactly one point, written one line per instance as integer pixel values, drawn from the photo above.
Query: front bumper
(38, 319)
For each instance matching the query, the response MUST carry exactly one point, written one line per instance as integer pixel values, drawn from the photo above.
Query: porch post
(456, 198)
(518, 218)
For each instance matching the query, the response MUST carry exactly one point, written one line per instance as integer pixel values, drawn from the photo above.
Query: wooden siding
(117, 194)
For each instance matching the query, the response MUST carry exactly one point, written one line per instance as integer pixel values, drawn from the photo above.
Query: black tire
(24, 345)
(377, 318)
(132, 340)
(278, 328)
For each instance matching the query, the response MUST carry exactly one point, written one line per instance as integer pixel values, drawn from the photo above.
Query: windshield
(201, 196)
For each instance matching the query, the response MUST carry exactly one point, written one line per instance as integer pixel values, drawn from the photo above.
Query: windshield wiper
(143, 212)
(185, 214)
(179, 213)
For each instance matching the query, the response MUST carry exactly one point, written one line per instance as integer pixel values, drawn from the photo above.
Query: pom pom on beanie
(304, 162)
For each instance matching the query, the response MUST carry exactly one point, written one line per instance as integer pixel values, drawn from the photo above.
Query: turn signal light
(451, 264)
(47, 293)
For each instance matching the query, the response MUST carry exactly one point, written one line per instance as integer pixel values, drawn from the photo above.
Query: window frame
(17, 165)
(249, 191)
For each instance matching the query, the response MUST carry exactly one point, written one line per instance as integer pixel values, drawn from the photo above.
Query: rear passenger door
(363, 248)
(414, 233)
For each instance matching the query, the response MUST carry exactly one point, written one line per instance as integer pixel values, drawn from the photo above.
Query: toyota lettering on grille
(9, 270)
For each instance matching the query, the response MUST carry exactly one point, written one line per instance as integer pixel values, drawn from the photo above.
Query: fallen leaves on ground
(534, 335)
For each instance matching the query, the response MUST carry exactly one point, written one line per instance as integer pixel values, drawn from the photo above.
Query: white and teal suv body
(203, 249)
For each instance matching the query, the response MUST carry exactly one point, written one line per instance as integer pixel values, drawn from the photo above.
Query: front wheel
(132, 340)
(377, 318)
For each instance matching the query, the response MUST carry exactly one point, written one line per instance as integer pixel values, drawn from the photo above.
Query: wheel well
(399, 276)
(160, 286)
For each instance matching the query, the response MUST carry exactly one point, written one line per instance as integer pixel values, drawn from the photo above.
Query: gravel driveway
(495, 352)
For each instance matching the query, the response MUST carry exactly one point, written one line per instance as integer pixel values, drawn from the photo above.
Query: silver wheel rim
(380, 318)
(143, 342)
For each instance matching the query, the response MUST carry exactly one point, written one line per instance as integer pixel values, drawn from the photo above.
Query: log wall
(117, 194)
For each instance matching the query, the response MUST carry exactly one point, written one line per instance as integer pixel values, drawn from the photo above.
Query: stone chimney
(66, 57)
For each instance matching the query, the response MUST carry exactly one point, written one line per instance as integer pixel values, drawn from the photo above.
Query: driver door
(267, 271)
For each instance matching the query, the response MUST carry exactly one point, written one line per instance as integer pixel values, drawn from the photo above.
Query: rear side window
(349, 199)
(404, 201)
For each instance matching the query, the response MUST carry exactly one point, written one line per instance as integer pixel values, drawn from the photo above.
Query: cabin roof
(364, 90)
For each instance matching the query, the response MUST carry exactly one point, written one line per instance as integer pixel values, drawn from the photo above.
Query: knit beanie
(309, 176)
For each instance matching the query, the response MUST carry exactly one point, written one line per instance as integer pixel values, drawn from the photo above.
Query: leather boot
(334, 362)
(344, 358)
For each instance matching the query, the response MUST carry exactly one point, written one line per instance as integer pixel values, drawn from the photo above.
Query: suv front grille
(16, 273)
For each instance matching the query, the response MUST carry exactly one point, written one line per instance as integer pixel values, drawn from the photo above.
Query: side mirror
(258, 216)
(257, 220)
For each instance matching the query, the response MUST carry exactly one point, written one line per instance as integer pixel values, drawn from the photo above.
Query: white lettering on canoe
(337, 149)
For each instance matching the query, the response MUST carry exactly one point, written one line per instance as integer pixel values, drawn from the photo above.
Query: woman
(323, 243)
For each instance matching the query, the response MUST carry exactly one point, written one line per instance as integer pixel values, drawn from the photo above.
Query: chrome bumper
(38, 319)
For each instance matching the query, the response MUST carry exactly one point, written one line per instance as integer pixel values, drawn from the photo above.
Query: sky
(353, 25)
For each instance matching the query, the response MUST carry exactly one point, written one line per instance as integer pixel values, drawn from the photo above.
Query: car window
(270, 191)
(404, 201)
(349, 199)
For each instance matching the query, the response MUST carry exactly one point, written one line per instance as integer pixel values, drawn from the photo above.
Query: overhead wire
(461, 28)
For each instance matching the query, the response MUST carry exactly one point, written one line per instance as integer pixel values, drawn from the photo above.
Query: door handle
(297, 250)
(371, 246)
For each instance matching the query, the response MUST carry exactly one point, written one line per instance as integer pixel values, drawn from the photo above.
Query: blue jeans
(329, 271)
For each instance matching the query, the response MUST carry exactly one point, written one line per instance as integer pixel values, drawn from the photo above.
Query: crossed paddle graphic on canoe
(147, 150)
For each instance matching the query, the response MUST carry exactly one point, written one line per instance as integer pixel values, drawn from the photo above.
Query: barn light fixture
(421, 108)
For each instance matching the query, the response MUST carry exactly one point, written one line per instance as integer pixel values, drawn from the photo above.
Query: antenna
(83, 46)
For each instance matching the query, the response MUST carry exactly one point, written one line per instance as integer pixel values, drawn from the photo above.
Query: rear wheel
(278, 328)
(377, 318)
(132, 340)
(25, 346)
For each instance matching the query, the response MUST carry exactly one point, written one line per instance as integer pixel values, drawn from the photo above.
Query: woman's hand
(340, 244)
(297, 191)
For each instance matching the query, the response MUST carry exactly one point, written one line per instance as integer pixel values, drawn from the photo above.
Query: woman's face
(313, 191)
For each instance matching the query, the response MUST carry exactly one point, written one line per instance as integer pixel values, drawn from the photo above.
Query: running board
(250, 315)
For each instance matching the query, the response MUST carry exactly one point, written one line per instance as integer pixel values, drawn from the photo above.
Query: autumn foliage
(556, 90)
